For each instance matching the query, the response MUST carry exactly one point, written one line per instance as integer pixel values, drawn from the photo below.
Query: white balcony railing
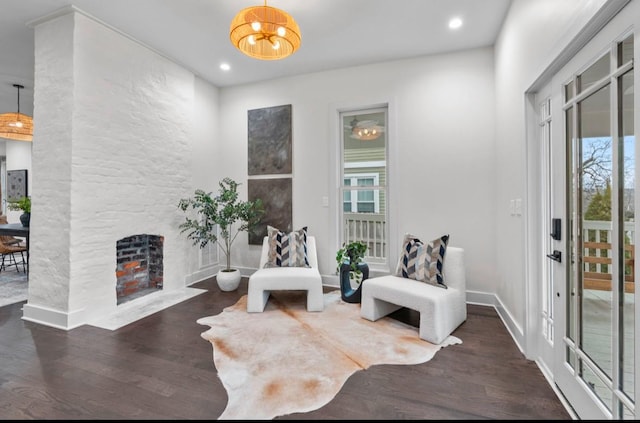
(370, 228)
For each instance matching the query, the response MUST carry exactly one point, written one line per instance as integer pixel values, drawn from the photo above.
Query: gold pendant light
(265, 33)
(16, 126)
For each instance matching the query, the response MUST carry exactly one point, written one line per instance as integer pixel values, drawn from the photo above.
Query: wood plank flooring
(160, 368)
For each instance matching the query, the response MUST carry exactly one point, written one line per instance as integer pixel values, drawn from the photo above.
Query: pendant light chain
(18, 87)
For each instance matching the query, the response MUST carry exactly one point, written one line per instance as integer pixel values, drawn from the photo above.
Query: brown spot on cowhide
(288, 360)
(311, 386)
(272, 389)
(222, 347)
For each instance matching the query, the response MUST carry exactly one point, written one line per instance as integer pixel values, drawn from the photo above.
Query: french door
(591, 290)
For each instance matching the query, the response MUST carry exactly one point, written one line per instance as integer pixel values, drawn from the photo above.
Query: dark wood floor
(160, 368)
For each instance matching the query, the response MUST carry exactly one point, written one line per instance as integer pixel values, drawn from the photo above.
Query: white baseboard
(492, 300)
(54, 318)
(200, 275)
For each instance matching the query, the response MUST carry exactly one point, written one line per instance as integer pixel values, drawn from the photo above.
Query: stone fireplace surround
(122, 133)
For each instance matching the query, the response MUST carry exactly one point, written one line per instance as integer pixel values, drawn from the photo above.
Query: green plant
(23, 203)
(225, 210)
(353, 251)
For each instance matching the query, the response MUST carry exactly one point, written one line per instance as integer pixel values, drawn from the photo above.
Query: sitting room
(319, 209)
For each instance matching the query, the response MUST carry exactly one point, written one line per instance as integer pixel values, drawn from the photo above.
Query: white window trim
(335, 183)
(354, 184)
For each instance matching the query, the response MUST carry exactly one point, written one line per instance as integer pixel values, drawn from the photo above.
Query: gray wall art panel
(270, 140)
(276, 196)
(17, 184)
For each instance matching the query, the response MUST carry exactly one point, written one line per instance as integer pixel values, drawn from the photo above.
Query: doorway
(584, 315)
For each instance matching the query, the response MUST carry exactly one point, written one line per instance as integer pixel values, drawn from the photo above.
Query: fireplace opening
(139, 266)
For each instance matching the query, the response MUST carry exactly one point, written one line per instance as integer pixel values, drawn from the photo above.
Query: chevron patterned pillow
(423, 262)
(287, 249)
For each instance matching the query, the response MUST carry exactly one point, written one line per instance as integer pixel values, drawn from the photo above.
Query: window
(361, 201)
(364, 177)
(209, 254)
(546, 210)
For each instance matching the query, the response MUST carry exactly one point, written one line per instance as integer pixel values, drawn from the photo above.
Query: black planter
(349, 294)
(25, 218)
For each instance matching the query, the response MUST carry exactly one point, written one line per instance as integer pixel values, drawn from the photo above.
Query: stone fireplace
(126, 123)
(139, 266)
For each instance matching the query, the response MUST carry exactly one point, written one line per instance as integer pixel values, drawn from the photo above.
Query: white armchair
(441, 310)
(264, 280)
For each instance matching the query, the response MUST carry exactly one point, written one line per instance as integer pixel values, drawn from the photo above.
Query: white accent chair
(264, 280)
(441, 310)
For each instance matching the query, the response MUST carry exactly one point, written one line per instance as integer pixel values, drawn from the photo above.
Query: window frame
(354, 200)
(381, 261)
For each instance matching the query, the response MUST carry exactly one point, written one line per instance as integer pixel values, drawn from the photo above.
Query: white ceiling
(195, 33)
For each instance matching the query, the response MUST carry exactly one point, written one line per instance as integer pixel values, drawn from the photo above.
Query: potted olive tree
(224, 212)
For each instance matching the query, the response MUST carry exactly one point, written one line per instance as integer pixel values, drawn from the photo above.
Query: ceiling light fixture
(16, 126)
(365, 130)
(455, 23)
(265, 33)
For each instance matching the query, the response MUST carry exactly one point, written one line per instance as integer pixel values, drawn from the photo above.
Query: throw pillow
(287, 249)
(423, 261)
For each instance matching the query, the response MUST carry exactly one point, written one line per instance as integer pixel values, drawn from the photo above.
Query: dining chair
(8, 253)
(8, 239)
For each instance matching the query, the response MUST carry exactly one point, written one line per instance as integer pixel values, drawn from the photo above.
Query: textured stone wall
(113, 153)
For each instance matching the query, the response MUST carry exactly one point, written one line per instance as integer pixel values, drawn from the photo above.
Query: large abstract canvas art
(270, 167)
(276, 198)
(269, 133)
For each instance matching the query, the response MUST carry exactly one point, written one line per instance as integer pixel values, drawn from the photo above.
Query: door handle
(555, 256)
(556, 229)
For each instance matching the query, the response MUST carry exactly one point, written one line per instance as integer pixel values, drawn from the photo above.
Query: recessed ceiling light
(225, 67)
(455, 23)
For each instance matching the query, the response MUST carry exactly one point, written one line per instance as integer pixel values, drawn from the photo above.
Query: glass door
(594, 360)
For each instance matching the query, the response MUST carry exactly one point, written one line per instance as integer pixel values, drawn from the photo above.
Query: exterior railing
(370, 228)
(597, 255)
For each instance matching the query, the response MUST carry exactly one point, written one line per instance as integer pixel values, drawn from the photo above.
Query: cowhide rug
(287, 360)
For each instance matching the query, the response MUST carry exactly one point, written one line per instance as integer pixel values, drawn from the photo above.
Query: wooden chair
(8, 239)
(8, 253)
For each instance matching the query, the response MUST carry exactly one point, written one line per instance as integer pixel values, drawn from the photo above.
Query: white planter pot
(228, 281)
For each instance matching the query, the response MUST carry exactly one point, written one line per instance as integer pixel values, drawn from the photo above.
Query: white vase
(228, 281)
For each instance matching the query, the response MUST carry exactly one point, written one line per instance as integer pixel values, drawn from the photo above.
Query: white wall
(113, 148)
(533, 35)
(441, 146)
(205, 157)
